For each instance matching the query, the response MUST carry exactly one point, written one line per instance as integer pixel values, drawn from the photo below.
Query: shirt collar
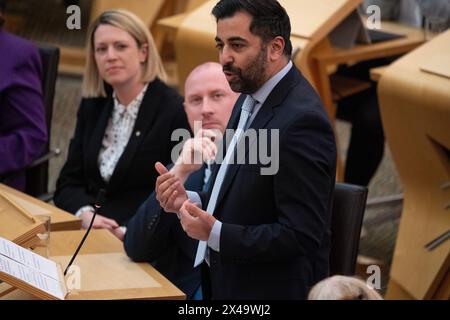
(132, 109)
(263, 92)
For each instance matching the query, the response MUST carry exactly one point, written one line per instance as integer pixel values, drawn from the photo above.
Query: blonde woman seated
(125, 122)
(343, 288)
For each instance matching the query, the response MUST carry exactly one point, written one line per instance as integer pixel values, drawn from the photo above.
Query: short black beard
(254, 77)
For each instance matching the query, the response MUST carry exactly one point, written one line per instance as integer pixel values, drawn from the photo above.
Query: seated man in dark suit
(157, 237)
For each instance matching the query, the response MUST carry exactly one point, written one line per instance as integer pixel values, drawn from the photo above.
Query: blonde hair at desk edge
(343, 288)
(93, 85)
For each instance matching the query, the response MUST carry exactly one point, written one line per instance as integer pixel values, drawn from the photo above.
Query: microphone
(97, 205)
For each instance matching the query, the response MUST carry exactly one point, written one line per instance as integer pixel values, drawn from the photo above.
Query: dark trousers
(366, 147)
(206, 281)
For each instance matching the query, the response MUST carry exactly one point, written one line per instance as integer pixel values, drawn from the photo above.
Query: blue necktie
(207, 178)
(246, 111)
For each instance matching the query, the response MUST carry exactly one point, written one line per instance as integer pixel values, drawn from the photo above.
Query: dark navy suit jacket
(23, 132)
(275, 237)
(156, 236)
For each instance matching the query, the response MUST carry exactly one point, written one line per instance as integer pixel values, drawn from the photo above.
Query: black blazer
(156, 236)
(133, 179)
(275, 237)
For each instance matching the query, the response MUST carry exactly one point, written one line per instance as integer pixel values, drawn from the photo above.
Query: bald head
(208, 97)
(213, 67)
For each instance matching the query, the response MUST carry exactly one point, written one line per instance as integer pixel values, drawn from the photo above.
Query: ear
(276, 48)
(143, 53)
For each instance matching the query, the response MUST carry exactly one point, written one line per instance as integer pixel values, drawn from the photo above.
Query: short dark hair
(270, 19)
(2, 12)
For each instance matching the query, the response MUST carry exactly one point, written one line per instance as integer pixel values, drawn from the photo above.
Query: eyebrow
(123, 41)
(193, 96)
(232, 39)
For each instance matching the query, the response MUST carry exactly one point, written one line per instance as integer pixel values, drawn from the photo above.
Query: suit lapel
(98, 133)
(263, 117)
(145, 118)
(234, 118)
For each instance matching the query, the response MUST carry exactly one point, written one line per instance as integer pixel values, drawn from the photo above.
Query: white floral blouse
(117, 133)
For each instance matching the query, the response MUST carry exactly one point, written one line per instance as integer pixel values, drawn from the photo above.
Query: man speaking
(262, 236)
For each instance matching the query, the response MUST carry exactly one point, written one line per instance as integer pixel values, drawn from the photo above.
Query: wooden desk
(61, 220)
(166, 29)
(415, 109)
(377, 73)
(325, 55)
(320, 56)
(106, 271)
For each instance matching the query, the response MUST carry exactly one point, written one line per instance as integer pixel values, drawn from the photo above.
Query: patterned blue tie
(207, 178)
(246, 111)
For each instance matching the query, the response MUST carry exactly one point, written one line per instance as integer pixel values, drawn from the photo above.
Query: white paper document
(28, 258)
(31, 268)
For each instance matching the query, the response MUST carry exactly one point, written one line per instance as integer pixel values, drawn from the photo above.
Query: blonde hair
(93, 84)
(343, 288)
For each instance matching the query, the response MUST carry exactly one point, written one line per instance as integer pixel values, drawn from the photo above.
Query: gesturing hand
(196, 222)
(195, 152)
(170, 192)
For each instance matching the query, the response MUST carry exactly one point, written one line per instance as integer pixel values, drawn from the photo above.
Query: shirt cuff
(214, 236)
(194, 197)
(83, 209)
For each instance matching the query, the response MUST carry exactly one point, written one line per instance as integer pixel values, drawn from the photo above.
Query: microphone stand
(98, 204)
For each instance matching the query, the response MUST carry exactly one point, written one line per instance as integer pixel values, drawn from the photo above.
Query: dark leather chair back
(347, 216)
(37, 175)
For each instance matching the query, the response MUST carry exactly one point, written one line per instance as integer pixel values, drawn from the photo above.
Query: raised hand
(196, 151)
(170, 191)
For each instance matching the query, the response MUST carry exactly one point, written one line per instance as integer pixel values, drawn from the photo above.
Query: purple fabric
(23, 132)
